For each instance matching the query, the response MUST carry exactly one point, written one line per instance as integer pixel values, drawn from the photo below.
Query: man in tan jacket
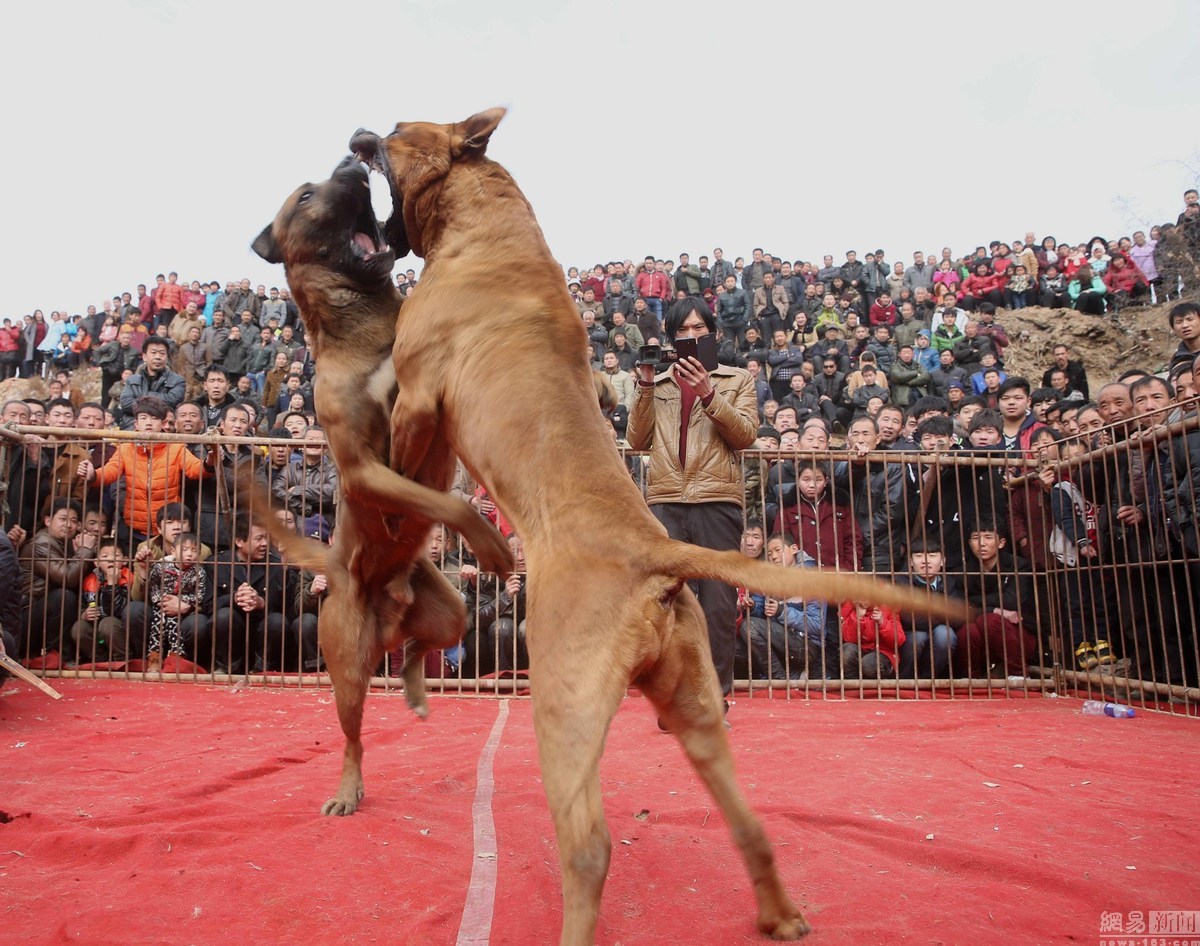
(694, 422)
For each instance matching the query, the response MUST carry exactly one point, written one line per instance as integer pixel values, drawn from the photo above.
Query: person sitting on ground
(785, 636)
(1125, 282)
(178, 583)
(927, 651)
(100, 635)
(872, 637)
(1087, 292)
(1000, 642)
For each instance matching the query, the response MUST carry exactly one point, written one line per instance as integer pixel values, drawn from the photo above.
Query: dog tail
(811, 584)
(297, 549)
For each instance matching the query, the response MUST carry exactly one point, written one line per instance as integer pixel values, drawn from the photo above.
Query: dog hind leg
(350, 656)
(683, 687)
(571, 715)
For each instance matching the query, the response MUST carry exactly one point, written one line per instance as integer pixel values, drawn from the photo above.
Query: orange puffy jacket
(154, 474)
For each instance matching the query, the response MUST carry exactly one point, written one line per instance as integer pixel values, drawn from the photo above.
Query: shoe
(1103, 652)
(1085, 656)
(154, 663)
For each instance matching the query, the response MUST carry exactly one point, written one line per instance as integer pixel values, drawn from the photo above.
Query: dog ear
(477, 130)
(267, 247)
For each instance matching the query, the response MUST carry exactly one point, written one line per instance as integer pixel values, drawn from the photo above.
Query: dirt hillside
(1108, 345)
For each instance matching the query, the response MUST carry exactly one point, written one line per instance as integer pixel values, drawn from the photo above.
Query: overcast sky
(148, 135)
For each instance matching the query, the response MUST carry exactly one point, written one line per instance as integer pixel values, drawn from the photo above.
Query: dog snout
(365, 144)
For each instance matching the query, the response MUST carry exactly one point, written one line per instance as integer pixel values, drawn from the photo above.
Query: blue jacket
(800, 617)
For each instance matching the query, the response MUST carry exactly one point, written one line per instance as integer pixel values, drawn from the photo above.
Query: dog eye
(305, 196)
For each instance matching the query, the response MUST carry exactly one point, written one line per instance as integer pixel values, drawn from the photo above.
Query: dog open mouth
(368, 148)
(367, 243)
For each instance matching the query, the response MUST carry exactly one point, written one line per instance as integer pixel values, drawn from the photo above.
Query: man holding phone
(694, 418)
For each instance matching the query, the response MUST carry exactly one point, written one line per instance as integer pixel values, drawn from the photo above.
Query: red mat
(157, 813)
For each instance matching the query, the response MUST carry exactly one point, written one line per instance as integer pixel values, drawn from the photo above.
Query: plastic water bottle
(1100, 708)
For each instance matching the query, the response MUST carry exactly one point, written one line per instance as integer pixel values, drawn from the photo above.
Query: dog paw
(340, 807)
(494, 555)
(785, 928)
(343, 803)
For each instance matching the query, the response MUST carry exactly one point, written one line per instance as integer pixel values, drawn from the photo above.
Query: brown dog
(499, 377)
(383, 588)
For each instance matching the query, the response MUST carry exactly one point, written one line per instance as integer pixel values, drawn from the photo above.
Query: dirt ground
(1133, 338)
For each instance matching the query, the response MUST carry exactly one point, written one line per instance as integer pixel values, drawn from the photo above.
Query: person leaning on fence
(12, 591)
(879, 494)
(172, 520)
(502, 619)
(1073, 546)
(55, 562)
(308, 590)
(1169, 630)
(153, 472)
(248, 596)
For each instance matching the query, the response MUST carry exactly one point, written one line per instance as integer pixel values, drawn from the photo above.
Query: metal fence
(1079, 556)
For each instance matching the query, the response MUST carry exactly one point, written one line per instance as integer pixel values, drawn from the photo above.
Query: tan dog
(383, 588)
(489, 356)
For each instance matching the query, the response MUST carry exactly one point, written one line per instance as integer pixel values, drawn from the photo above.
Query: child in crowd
(177, 587)
(99, 634)
(1019, 283)
(999, 642)
(826, 530)
(785, 636)
(928, 646)
(872, 637)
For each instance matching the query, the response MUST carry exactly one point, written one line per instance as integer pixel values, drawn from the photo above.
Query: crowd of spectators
(141, 549)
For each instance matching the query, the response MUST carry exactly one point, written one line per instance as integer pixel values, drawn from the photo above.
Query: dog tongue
(364, 242)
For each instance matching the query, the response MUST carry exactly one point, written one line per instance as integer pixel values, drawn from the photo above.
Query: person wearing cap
(114, 359)
(829, 313)
(907, 324)
(831, 344)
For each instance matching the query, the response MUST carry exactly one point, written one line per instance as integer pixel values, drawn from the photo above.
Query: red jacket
(824, 530)
(169, 296)
(596, 284)
(11, 338)
(979, 286)
(882, 315)
(653, 285)
(154, 475)
(1123, 279)
(885, 636)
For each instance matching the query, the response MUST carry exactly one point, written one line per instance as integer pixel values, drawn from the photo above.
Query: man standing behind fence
(693, 422)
